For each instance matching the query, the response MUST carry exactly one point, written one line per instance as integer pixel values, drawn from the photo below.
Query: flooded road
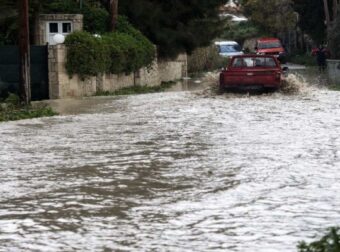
(176, 171)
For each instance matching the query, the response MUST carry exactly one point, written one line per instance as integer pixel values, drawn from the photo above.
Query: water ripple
(173, 172)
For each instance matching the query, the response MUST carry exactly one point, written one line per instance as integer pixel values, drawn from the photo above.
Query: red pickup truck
(271, 46)
(252, 71)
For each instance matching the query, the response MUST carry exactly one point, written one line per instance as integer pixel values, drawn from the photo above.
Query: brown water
(176, 171)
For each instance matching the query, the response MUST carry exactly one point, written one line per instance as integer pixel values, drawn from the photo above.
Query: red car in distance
(271, 46)
(252, 72)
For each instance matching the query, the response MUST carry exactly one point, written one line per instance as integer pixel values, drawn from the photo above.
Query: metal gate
(10, 71)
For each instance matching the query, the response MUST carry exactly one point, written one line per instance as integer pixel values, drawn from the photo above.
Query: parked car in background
(252, 72)
(271, 46)
(228, 48)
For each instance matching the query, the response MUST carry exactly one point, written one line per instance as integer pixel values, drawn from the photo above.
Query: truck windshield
(269, 44)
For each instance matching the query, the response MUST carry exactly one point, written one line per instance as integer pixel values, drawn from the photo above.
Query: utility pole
(113, 7)
(24, 48)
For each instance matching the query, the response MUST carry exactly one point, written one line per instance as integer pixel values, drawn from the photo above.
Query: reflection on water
(176, 171)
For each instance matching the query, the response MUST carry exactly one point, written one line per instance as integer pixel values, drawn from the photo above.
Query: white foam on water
(294, 84)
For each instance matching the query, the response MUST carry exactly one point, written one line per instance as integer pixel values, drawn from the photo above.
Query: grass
(137, 90)
(12, 110)
(13, 114)
(334, 87)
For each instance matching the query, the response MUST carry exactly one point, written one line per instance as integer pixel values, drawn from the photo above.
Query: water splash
(294, 84)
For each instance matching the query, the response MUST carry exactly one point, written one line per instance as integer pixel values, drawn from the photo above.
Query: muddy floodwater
(174, 171)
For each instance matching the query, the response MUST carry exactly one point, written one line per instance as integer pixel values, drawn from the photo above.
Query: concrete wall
(62, 86)
(41, 25)
(333, 70)
(171, 70)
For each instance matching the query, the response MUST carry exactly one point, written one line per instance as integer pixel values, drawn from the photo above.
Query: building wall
(333, 69)
(171, 70)
(62, 86)
(40, 25)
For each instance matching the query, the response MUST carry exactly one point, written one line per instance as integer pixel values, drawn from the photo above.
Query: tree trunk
(113, 7)
(335, 9)
(24, 47)
(327, 14)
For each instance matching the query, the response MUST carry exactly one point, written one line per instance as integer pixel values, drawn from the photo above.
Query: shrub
(86, 55)
(328, 243)
(123, 51)
(206, 59)
(146, 48)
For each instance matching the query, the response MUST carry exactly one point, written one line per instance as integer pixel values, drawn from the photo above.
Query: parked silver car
(228, 48)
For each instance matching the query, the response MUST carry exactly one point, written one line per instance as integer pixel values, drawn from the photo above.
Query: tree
(175, 26)
(331, 11)
(311, 18)
(331, 14)
(334, 38)
(113, 14)
(112, 8)
(320, 20)
(8, 21)
(273, 16)
(7, 9)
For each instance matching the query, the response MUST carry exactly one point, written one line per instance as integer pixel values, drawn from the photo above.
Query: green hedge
(123, 51)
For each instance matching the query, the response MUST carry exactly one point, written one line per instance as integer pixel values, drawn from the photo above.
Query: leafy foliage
(311, 18)
(328, 243)
(206, 59)
(272, 15)
(96, 18)
(175, 26)
(126, 50)
(241, 31)
(86, 54)
(8, 22)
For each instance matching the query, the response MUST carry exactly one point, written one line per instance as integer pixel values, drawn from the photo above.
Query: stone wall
(62, 86)
(41, 25)
(333, 70)
(171, 70)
